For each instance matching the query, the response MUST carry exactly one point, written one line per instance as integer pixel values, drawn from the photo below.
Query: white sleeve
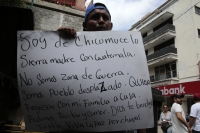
(193, 111)
(178, 108)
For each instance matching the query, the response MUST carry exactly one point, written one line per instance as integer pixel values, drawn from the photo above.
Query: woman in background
(165, 118)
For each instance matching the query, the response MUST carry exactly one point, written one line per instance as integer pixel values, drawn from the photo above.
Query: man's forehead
(99, 11)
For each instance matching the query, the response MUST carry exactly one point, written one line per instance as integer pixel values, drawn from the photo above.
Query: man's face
(98, 20)
(179, 100)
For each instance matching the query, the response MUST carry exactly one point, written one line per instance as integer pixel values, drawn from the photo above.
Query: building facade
(50, 15)
(171, 36)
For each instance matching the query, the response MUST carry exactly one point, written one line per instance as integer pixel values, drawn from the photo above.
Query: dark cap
(196, 96)
(95, 6)
(177, 96)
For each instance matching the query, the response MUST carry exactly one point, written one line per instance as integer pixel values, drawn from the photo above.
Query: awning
(182, 88)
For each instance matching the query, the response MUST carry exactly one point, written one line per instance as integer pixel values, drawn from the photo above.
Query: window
(152, 78)
(164, 45)
(165, 71)
(144, 35)
(146, 52)
(169, 21)
(198, 30)
(197, 10)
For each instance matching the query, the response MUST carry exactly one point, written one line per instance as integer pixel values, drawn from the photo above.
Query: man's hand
(189, 130)
(69, 32)
(192, 121)
(182, 120)
(165, 121)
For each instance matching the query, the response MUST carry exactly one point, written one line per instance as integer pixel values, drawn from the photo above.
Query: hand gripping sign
(97, 82)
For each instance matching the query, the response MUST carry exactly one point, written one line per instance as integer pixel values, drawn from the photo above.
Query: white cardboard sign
(97, 82)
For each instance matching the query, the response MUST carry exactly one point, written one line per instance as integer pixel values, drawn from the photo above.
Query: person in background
(179, 124)
(165, 118)
(195, 114)
(97, 18)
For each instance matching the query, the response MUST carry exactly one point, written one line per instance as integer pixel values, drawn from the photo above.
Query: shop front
(186, 88)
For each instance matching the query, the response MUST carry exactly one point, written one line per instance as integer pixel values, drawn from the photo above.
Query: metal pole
(31, 4)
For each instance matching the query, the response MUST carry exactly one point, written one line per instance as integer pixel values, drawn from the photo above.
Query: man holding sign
(95, 82)
(97, 18)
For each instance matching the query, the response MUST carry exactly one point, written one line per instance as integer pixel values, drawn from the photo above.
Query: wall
(187, 43)
(49, 16)
(80, 4)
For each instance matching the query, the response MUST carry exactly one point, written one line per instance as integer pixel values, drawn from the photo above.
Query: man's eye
(106, 18)
(95, 17)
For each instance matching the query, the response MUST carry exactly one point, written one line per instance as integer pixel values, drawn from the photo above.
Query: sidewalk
(159, 129)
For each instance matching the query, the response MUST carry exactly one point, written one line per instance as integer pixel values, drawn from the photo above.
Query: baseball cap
(177, 96)
(95, 6)
(196, 96)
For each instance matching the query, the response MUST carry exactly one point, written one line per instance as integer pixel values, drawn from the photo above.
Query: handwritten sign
(97, 82)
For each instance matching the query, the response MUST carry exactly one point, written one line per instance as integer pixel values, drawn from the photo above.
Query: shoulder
(175, 105)
(172, 107)
(196, 105)
(193, 106)
(178, 108)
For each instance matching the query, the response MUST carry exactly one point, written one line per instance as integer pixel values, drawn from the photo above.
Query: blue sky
(127, 12)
